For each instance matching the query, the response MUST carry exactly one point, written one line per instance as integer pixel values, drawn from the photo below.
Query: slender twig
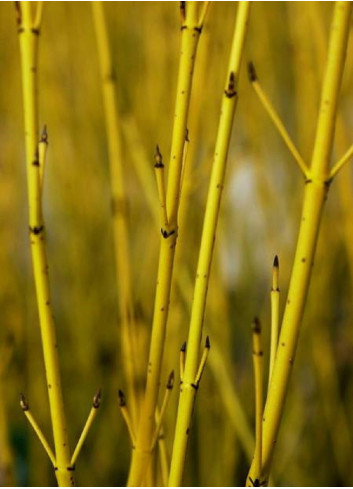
(42, 153)
(271, 111)
(126, 415)
(25, 407)
(341, 162)
(203, 361)
(168, 391)
(38, 15)
(91, 417)
(257, 354)
(182, 360)
(274, 314)
(187, 388)
(160, 178)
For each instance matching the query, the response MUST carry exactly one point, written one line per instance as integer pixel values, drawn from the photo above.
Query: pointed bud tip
(97, 398)
(183, 347)
(44, 135)
(158, 158)
(170, 382)
(207, 342)
(256, 326)
(122, 400)
(276, 262)
(252, 72)
(23, 402)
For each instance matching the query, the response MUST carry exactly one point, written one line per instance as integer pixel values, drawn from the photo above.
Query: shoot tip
(44, 135)
(256, 326)
(158, 158)
(182, 11)
(276, 262)
(207, 343)
(170, 382)
(183, 347)
(18, 13)
(252, 72)
(187, 140)
(122, 400)
(97, 399)
(230, 91)
(23, 403)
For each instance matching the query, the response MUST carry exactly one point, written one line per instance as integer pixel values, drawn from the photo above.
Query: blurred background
(260, 214)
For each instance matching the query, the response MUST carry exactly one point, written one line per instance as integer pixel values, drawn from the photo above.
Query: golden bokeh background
(259, 218)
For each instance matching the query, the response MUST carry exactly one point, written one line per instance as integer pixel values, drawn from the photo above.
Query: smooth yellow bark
(142, 453)
(316, 189)
(28, 37)
(189, 385)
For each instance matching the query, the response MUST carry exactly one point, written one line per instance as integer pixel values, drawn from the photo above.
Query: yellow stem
(340, 163)
(39, 15)
(182, 361)
(87, 426)
(159, 172)
(204, 10)
(316, 189)
(161, 413)
(119, 203)
(126, 415)
(187, 388)
(203, 361)
(190, 34)
(163, 457)
(258, 377)
(274, 315)
(276, 119)
(28, 37)
(37, 430)
(42, 153)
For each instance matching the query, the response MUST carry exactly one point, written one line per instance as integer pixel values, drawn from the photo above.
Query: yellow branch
(257, 354)
(187, 388)
(274, 315)
(316, 189)
(190, 33)
(28, 37)
(340, 163)
(126, 415)
(271, 111)
(159, 172)
(25, 407)
(160, 416)
(119, 204)
(42, 153)
(91, 417)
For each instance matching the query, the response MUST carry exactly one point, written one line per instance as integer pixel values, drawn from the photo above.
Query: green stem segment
(188, 386)
(28, 37)
(315, 194)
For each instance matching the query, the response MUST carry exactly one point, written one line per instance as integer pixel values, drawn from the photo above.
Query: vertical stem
(187, 389)
(119, 204)
(274, 315)
(190, 34)
(314, 197)
(257, 354)
(28, 36)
